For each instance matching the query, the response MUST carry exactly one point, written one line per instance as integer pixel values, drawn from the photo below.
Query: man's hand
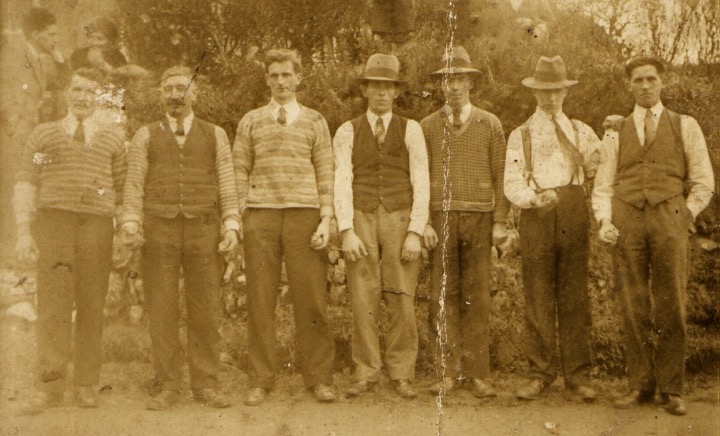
(352, 247)
(547, 199)
(429, 237)
(321, 237)
(229, 242)
(499, 234)
(612, 122)
(129, 235)
(608, 233)
(411, 247)
(25, 247)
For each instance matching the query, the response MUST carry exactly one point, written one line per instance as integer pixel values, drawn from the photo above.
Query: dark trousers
(555, 255)
(73, 269)
(653, 248)
(190, 243)
(271, 234)
(460, 277)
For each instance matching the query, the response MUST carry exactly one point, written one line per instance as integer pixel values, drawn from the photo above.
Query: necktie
(180, 131)
(282, 116)
(650, 128)
(457, 120)
(79, 134)
(567, 146)
(379, 131)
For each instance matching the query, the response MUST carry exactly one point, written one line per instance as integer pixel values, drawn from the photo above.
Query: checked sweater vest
(381, 174)
(181, 179)
(655, 172)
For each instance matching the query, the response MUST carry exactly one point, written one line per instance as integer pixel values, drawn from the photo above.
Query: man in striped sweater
(70, 182)
(284, 170)
(181, 188)
(466, 150)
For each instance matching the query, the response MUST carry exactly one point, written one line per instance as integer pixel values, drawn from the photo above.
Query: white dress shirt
(419, 173)
(699, 168)
(551, 166)
(464, 113)
(187, 125)
(292, 109)
(90, 126)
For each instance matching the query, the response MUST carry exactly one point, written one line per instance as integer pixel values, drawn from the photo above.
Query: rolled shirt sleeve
(699, 169)
(342, 151)
(517, 189)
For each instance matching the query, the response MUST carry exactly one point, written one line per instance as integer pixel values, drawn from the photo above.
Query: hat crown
(550, 70)
(458, 57)
(382, 67)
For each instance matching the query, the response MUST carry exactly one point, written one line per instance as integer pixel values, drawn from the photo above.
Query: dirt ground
(291, 410)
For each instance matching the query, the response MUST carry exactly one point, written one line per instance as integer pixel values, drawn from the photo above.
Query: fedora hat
(382, 68)
(549, 73)
(457, 61)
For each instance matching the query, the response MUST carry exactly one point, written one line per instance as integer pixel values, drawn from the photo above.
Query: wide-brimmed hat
(457, 61)
(382, 68)
(549, 73)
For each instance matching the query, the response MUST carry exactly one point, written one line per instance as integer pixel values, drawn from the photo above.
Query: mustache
(175, 101)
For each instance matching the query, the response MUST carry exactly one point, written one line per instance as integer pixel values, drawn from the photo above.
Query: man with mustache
(69, 188)
(466, 150)
(381, 205)
(181, 189)
(640, 201)
(548, 160)
(284, 171)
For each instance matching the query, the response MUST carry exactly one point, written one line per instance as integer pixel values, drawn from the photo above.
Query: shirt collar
(187, 122)
(71, 122)
(560, 116)
(291, 106)
(372, 118)
(639, 112)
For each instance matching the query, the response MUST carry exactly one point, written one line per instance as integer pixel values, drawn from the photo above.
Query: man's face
(283, 81)
(457, 90)
(46, 39)
(645, 85)
(550, 100)
(81, 96)
(178, 96)
(97, 39)
(380, 96)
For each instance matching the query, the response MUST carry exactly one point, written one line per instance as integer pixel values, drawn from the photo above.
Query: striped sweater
(58, 172)
(284, 166)
(475, 154)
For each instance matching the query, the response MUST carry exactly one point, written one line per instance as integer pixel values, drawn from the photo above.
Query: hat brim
(381, 79)
(531, 83)
(455, 70)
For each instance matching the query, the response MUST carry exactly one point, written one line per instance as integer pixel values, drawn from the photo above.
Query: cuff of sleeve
(231, 224)
(344, 224)
(416, 227)
(326, 211)
(599, 217)
(130, 217)
(693, 210)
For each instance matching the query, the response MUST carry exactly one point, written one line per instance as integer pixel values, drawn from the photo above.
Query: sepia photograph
(359, 217)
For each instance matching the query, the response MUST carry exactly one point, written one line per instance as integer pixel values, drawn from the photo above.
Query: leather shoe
(481, 389)
(531, 390)
(447, 384)
(360, 387)
(163, 400)
(632, 398)
(210, 397)
(41, 401)
(85, 396)
(323, 393)
(255, 396)
(405, 389)
(586, 393)
(674, 404)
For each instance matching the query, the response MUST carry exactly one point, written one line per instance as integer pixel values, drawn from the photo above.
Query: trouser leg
(161, 270)
(202, 265)
(573, 301)
(537, 239)
(669, 263)
(263, 264)
(307, 277)
(399, 280)
(93, 261)
(363, 277)
(631, 260)
(445, 313)
(54, 235)
(475, 231)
